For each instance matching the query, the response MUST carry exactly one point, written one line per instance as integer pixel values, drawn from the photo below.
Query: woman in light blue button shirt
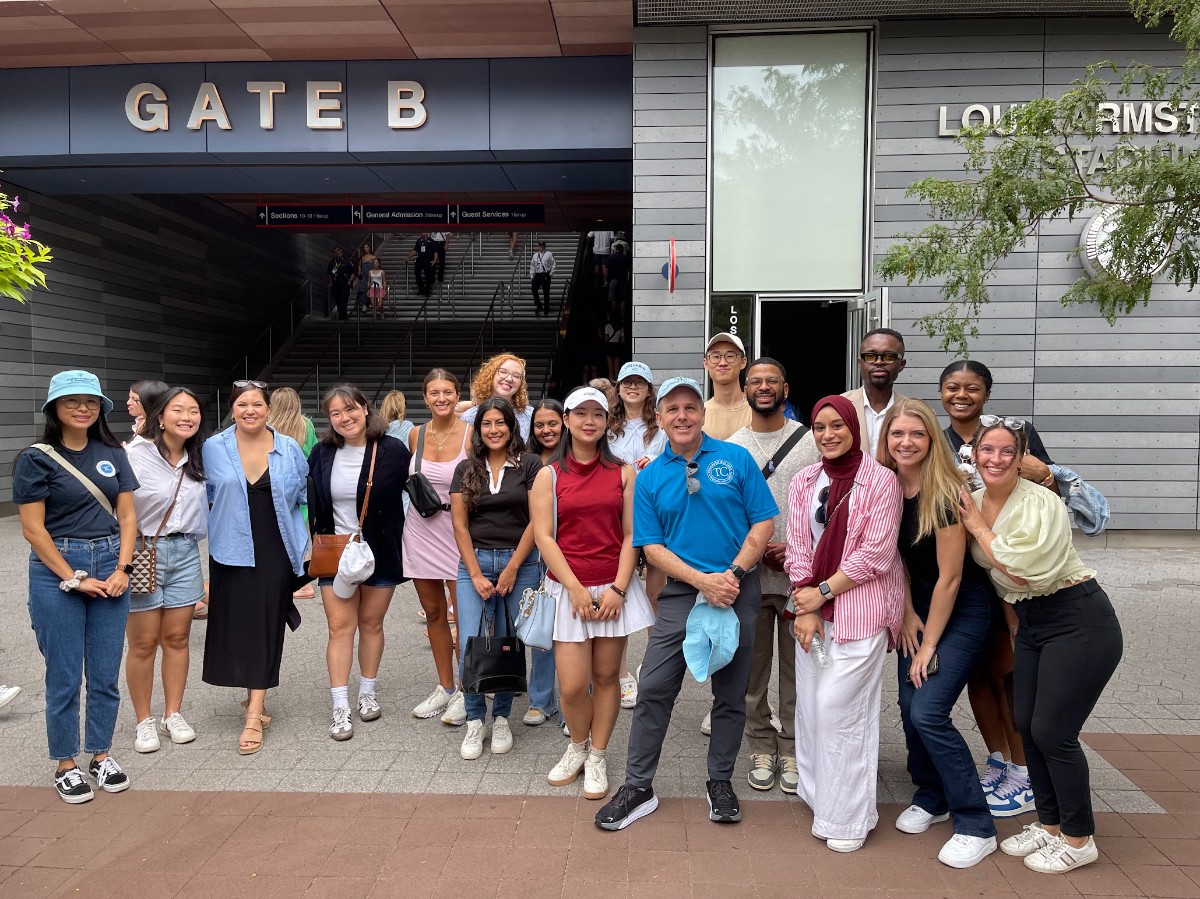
(257, 538)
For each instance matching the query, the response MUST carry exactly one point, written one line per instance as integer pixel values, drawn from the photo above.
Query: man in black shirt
(425, 253)
(340, 273)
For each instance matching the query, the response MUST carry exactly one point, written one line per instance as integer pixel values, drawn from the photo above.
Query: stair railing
(458, 277)
(406, 347)
(499, 295)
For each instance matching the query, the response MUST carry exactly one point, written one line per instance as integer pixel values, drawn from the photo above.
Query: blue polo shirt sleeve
(756, 495)
(647, 525)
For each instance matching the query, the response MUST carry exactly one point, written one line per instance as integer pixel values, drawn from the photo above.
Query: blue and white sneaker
(1011, 798)
(994, 774)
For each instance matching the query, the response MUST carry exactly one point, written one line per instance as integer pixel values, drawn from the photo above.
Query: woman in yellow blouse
(1067, 640)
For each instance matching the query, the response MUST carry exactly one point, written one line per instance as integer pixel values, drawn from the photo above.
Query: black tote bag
(493, 663)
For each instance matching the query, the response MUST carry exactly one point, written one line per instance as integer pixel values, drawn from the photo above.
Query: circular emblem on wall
(1097, 256)
(720, 471)
(106, 468)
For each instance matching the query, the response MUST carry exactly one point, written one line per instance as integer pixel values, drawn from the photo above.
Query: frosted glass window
(789, 137)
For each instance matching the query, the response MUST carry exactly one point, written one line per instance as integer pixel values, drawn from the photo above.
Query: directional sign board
(414, 216)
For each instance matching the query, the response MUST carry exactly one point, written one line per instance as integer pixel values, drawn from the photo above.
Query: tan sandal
(249, 747)
(264, 717)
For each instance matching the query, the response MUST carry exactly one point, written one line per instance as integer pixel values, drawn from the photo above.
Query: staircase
(396, 351)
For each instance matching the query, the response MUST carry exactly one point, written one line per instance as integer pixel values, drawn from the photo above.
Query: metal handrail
(269, 332)
(558, 330)
(406, 343)
(473, 249)
(489, 325)
(524, 252)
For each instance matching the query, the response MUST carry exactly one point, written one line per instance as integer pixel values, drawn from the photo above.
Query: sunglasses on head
(990, 421)
(261, 385)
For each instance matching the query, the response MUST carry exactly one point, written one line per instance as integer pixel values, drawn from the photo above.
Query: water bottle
(818, 652)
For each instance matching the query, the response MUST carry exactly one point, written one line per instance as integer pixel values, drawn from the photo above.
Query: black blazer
(384, 525)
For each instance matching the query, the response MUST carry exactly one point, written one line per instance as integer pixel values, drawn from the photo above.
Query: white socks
(341, 697)
(366, 685)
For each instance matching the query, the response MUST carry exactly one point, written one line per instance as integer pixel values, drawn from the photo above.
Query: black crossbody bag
(424, 498)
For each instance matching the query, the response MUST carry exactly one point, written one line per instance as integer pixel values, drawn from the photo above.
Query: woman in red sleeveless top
(588, 551)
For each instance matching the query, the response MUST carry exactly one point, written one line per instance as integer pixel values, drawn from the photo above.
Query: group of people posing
(731, 532)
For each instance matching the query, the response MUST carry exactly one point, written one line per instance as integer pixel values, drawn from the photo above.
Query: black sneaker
(72, 787)
(723, 802)
(108, 775)
(627, 806)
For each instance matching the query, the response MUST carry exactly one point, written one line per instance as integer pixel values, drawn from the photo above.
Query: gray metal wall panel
(171, 288)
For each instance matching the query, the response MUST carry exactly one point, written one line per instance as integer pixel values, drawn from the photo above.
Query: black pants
(341, 297)
(541, 281)
(1068, 646)
(424, 275)
(440, 249)
(663, 669)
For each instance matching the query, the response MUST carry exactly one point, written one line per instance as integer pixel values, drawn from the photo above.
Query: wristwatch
(825, 590)
(72, 584)
(127, 568)
(738, 571)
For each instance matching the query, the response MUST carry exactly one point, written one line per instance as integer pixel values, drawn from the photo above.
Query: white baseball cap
(581, 395)
(726, 337)
(356, 565)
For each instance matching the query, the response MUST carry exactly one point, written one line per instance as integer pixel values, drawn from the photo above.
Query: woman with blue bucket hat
(75, 493)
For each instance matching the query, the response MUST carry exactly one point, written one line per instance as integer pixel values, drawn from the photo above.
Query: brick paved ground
(396, 811)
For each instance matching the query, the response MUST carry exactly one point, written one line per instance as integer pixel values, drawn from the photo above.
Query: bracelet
(617, 590)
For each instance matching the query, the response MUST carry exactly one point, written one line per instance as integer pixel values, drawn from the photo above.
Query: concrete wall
(140, 287)
(1106, 400)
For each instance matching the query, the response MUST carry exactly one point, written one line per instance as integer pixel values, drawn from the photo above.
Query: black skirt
(248, 608)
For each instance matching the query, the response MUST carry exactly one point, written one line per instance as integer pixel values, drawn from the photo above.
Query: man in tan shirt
(727, 412)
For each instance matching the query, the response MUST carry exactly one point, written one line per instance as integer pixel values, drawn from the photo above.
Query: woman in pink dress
(430, 553)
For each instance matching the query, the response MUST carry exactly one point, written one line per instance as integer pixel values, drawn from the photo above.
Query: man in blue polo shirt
(704, 514)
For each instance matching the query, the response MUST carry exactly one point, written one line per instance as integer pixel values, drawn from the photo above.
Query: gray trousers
(772, 627)
(663, 669)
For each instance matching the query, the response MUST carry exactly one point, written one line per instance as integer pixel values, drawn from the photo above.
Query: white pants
(837, 735)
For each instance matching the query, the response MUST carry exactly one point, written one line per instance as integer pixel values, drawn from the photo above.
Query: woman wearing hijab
(848, 592)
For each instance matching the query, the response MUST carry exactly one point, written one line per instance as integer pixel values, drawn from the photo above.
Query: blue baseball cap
(75, 383)
(635, 370)
(711, 640)
(671, 383)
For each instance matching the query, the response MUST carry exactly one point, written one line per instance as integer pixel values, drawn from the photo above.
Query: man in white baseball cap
(727, 412)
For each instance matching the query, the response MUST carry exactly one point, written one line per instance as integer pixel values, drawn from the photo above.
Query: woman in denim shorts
(171, 504)
(67, 488)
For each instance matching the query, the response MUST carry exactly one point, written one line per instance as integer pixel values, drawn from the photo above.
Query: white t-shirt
(343, 486)
(631, 445)
(603, 241)
(874, 422)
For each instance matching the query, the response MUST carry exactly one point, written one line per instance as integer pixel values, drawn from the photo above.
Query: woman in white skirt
(590, 561)
(848, 590)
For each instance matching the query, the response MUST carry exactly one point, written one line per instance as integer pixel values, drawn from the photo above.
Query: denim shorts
(180, 577)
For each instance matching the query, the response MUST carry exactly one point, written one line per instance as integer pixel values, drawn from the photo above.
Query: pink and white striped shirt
(871, 558)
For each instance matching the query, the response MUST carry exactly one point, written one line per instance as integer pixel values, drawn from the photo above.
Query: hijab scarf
(841, 472)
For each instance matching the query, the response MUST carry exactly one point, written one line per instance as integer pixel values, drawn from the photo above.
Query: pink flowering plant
(20, 254)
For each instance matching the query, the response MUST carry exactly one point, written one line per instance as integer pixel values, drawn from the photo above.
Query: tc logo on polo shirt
(106, 468)
(720, 471)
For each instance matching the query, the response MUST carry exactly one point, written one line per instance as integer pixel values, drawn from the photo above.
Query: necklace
(440, 444)
(767, 454)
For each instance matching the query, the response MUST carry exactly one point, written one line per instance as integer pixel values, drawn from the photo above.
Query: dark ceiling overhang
(697, 12)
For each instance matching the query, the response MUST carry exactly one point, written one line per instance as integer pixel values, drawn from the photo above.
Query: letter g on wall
(146, 116)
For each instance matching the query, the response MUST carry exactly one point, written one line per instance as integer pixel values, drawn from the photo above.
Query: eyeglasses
(88, 402)
(823, 515)
(505, 375)
(731, 356)
(759, 382)
(261, 385)
(885, 358)
(693, 483)
(990, 421)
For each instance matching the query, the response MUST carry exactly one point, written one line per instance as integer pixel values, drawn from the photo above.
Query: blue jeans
(470, 609)
(938, 758)
(79, 634)
(542, 673)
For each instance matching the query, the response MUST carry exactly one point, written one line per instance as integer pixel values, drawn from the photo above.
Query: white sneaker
(1011, 798)
(628, 692)
(789, 774)
(368, 707)
(762, 771)
(706, 725)
(501, 736)
(1060, 856)
(962, 851)
(472, 744)
(845, 845)
(175, 727)
(340, 725)
(437, 702)
(8, 694)
(456, 712)
(569, 766)
(595, 777)
(146, 738)
(915, 819)
(1031, 838)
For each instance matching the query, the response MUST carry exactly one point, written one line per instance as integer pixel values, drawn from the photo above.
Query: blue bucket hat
(711, 640)
(74, 383)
